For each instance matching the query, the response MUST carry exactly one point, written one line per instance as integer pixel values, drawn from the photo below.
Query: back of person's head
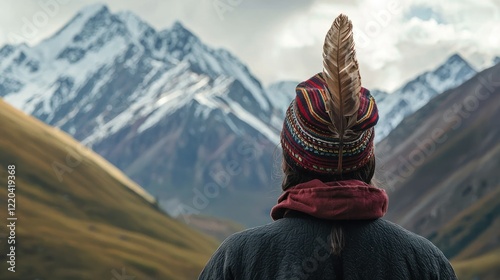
(328, 131)
(293, 177)
(329, 163)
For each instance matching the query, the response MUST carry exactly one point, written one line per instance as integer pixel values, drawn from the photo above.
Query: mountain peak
(6, 50)
(179, 28)
(454, 64)
(93, 9)
(128, 16)
(179, 40)
(456, 56)
(134, 23)
(72, 28)
(178, 32)
(456, 59)
(417, 92)
(496, 60)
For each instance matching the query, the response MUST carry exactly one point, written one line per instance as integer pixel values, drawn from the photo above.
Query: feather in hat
(341, 74)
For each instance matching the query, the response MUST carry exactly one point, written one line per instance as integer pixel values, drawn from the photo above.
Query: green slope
(81, 218)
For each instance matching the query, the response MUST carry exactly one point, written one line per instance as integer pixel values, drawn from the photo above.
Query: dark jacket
(298, 247)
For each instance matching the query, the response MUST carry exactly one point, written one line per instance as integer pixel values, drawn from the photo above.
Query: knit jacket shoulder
(295, 248)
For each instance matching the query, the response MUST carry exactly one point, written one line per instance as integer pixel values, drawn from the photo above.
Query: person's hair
(292, 178)
(365, 174)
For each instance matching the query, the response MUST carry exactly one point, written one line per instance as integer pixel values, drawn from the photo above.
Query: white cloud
(395, 39)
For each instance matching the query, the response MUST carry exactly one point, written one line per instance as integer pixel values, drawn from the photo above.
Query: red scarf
(342, 200)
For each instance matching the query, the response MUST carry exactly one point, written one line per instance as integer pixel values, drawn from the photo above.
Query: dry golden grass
(475, 256)
(91, 222)
(484, 267)
(216, 227)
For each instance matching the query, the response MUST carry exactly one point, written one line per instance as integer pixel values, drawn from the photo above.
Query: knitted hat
(328, 127)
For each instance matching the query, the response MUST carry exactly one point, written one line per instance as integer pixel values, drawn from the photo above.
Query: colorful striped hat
(329, 126)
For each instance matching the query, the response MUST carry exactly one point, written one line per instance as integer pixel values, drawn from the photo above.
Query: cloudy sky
(282, 39)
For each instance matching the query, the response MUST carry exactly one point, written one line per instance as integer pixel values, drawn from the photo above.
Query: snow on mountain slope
(160, 105)
(393, 108)
(280, 95)
(183, 45)
(169, 110)
(379, 95)
(96, 46)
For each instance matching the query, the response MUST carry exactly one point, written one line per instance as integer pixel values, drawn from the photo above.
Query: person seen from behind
(328, 221)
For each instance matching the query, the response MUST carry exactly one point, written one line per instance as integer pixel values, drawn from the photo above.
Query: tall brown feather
(341, 73)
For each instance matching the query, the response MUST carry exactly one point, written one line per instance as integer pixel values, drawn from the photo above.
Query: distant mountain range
(416, 93)
(188, 122)
(81, 218)
(394, 107)
(440, 166)
(172, 113)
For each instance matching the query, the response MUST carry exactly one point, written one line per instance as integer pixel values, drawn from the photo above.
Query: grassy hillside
(441, 165)
(472, 239)
(212, 226)
(81, 218)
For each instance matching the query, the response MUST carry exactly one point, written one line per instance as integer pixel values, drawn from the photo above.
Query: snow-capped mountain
(98, 52)
(393, 107)
(188, 122)
(162, 106)
(280, 95)
(379, 95)
(413, 95)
